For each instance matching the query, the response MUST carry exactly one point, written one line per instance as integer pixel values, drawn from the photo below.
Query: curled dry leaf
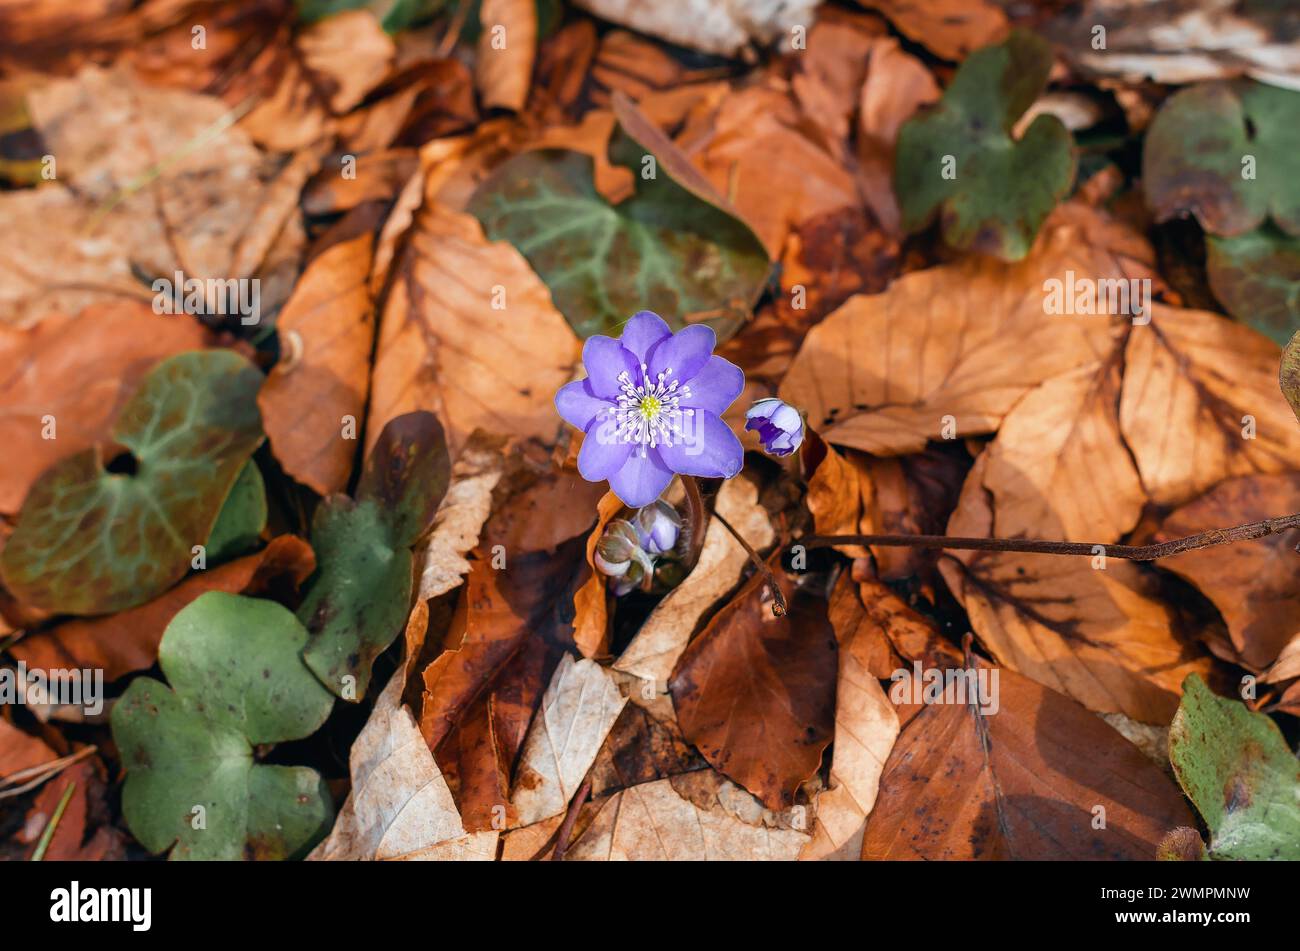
(964, 340)
(400, 807)
(577, 712)
(754, 694)
(866, 727)
(446, 343)
(653, 653)
(1026, 782)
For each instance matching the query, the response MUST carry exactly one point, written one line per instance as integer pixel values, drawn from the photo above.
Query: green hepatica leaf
(672, 247)
(1226, 153)
(1236, 768)
(958, 160)
(1256, 276)
(360, 598)
(237, 681)
(93, 540)
(1290, 374)
(242, 518)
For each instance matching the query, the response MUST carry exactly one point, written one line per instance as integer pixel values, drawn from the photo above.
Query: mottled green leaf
(360, 598)
(242, 517)
(1226, 153)
(959, 161)
(672, 247)
(237, 681)
(1256, 276)
(1290, 374)
(99, 533)
(1240, 774)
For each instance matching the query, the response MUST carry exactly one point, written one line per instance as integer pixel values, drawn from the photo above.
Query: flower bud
(779, 426)
(657, 527)
(617, 549)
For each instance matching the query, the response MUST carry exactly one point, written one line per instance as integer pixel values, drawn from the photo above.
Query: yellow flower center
(650, 407)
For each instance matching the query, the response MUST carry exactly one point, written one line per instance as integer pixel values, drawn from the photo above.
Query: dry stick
(570, 820)
(778, 599)
(1215, 536)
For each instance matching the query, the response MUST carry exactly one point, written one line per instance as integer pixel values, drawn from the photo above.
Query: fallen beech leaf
(219, 212)
(1192, 161)
(1255, 585)
(753, 147)
(640, 748)
(866, 727)
(502, 611)
(1024, 783)
(327, 327)
(444, 346)
(699, 816)
(674, 247)
(1200, 376)
(950, 29)
(958, 160)
(753, 692)
(1104, 636)
(503, 69)
(78, 370)
(654, 652)
(189, 429)
(965, 340)
(70, 841)
(837, 493)
(712, 27)
(578, 710)
(127, 641)
(400, 807)
(1289, 376)
(590, 602)
(1238, 770)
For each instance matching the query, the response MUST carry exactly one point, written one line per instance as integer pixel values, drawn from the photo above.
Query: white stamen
(649, 414)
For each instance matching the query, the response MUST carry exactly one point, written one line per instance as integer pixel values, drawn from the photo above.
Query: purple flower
(779, 425)
(657, 527)
(651, 406)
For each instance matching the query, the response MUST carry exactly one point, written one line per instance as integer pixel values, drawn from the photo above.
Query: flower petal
(605, 358)
(685, 353)
(641, 480)
(716, 386)
(707, 448)
(601, 455)
(577, 405)
(643, 331)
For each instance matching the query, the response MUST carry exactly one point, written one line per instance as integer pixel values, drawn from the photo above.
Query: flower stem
(697, 517)
(1215, 536)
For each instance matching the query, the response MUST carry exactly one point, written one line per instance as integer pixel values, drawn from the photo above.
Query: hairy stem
(697, 517)
(1215, 536)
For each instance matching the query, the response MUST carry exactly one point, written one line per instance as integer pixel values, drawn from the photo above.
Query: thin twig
(778, 599)
(43, 773)
(1215, 536)
(570, 820)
